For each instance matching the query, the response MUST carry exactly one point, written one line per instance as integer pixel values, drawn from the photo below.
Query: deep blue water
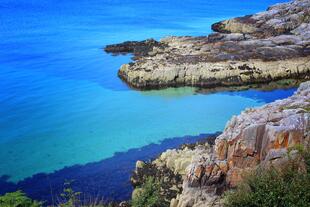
(62, 104)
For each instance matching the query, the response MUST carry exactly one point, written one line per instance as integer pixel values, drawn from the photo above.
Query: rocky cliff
(260, 136)
(257, 137)
(267, 46)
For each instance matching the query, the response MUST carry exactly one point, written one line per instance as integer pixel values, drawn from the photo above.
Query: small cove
(61, 102)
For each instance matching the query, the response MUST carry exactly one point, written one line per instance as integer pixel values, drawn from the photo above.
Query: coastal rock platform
(260, 48)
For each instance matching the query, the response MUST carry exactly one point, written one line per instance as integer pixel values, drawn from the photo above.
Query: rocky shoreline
(170, 167)
(254, 49)
(196, 175)
(269, 49)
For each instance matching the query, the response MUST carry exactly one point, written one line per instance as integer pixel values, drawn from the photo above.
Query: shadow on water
(108, 178)
(265, 96)
(258, 94)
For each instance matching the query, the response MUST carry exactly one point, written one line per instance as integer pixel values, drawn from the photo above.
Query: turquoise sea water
(61, 102)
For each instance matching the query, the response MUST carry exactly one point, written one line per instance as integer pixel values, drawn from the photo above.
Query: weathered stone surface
(170, 167)
(278, 19)
(259, 136)
(260, 48)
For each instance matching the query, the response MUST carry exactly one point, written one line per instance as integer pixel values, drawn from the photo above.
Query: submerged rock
(259, 48)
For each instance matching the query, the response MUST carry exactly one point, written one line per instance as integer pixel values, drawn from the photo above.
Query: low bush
(149, 195)
(288, 186)
(18, 199)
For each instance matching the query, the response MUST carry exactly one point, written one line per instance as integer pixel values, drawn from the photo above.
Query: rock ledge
(259, 48)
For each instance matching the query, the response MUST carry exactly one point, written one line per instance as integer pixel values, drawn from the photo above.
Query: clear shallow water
(61, 102)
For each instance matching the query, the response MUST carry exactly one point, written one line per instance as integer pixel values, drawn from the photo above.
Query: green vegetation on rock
(288, 186)
(149, 195)
(18, 199)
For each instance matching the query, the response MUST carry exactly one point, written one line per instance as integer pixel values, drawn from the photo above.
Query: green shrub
(17, 199)
(288, 186)
(149, 195)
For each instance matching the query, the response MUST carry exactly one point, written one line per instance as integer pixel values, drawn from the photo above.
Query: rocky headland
(197, 175)
(267, 46)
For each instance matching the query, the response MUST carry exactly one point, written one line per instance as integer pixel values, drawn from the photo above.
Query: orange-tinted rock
(243, 162)
(281, 140)
(234, 176)
(221, 149)
(199, 171)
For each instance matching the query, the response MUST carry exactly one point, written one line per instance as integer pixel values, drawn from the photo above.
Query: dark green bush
(17, 199)
(288, 186)
(149, 195)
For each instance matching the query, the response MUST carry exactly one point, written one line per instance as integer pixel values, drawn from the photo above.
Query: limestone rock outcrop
(259, 48)
(256, 137)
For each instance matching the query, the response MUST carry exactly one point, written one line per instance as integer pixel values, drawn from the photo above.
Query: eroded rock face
(259, 136)
(259, 48)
